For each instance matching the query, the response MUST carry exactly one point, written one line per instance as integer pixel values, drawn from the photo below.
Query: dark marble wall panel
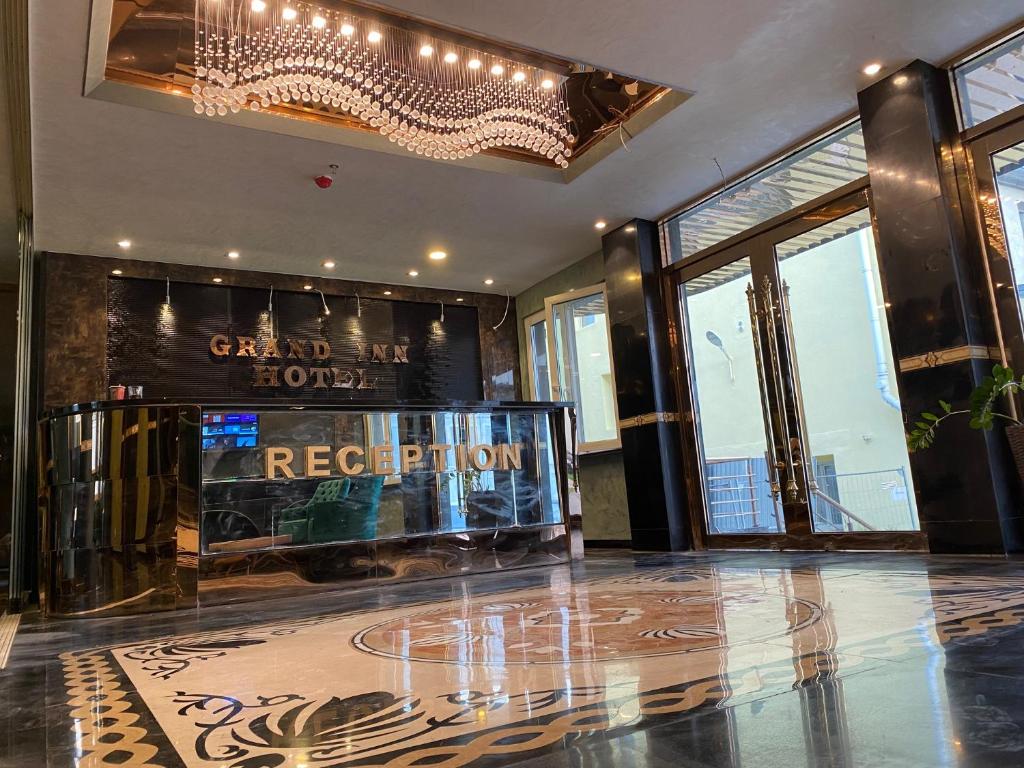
(75, 306)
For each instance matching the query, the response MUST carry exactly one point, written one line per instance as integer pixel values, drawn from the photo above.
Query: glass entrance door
(798, 431)
(729, 386)
(997, 166)
(857, 466)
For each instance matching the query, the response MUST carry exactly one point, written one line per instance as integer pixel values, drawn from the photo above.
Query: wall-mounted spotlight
(324, 301)
(167, 296)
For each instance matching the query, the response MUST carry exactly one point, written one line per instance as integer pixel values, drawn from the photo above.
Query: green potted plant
(982, 413)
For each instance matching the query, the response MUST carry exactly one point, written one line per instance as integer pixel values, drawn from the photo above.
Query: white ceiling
(187, 189)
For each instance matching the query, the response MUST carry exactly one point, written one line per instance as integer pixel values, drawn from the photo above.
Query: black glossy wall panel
(167, 350)
(644, 388)
(932, 263)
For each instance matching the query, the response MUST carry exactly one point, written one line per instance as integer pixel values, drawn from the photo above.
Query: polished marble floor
(726, 659)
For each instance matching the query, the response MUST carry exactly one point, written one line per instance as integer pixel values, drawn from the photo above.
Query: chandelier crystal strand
(435, 99)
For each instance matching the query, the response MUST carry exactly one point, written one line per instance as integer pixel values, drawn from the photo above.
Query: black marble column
(646, 397)
(942, 324)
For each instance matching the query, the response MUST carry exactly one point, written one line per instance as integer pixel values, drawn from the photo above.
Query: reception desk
(155, 505)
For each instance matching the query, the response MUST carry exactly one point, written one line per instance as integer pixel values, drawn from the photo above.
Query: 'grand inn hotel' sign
(292, 370)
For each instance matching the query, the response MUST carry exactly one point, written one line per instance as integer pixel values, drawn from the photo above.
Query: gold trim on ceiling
(114, 73)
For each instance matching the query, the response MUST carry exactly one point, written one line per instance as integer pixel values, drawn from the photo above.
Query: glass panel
(539, 358)
(1008, 169)
(584, 368)
(992, 83)
(727, 394)
(851, 408)
(361, 476)
(804, 176)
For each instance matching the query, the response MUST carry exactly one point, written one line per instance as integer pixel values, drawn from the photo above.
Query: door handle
(792, 459)
(794, 365)
(774, 465)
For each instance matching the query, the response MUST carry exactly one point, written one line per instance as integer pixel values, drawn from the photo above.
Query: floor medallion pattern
(509, 675)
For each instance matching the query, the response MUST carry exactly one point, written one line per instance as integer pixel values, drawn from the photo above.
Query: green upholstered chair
(295, 519)
(356, 519)
(340, 510)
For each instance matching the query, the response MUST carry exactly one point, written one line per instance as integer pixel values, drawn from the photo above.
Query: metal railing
(739, 499)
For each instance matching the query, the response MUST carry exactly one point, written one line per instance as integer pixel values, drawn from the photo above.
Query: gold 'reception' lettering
(318, 460)
(351, 460)
(487, 463)
(440, 451)
(411, 455)
(279, 459)
(382, 460)
(510, 456)
(341, 458)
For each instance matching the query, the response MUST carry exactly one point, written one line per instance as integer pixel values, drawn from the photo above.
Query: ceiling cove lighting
(873, 68)
(264, 53)
(438, 255)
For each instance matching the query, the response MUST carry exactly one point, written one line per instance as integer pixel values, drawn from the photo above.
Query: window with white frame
(537, 356)
(579, 363)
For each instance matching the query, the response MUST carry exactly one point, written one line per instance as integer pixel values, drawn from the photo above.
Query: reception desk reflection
(671, 661)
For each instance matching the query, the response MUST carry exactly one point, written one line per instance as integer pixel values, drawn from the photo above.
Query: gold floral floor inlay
(507, 675)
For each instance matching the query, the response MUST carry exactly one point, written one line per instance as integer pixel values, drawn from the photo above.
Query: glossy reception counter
(151, 505)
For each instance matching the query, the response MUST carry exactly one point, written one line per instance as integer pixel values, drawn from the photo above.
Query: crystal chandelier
(432, 97)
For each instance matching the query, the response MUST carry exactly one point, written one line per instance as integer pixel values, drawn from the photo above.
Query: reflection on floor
(650, 660)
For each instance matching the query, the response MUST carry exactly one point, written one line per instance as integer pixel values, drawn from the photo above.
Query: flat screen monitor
(230, 430)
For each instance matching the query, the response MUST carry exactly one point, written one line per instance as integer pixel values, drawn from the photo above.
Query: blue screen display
(230, 430)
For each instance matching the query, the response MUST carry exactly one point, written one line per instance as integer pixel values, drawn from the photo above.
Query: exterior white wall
(597, 395)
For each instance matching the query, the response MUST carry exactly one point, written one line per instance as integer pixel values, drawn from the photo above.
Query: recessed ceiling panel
(416, 86)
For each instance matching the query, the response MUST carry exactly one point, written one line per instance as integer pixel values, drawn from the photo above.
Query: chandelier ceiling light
(434, 98)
